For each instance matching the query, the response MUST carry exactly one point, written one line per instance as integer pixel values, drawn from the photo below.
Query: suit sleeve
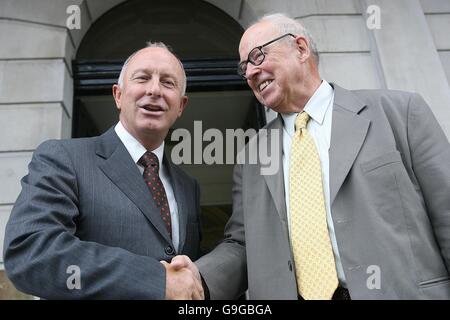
(42, 254)
(430, 152)
(224, 269)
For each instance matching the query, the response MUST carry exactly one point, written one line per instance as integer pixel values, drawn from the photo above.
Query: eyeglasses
(256, 56)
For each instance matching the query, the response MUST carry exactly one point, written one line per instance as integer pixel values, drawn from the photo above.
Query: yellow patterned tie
(313, 255)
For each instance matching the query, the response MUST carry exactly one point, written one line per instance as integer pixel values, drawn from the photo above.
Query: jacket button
(169, 250)
(290, 265)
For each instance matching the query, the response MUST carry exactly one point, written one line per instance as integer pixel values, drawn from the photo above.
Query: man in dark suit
(99, 217)
(360, 205)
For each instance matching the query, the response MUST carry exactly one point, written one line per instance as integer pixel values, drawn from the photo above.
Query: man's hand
(183, 280)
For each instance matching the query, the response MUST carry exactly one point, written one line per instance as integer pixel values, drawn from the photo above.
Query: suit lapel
(120, 168)
(180, 191)
(347, 136)
(275, 182)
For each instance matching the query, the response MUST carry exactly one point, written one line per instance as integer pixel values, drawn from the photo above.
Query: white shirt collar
(317, 106)
(134, 147)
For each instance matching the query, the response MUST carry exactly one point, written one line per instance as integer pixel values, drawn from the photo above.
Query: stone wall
(411, 51)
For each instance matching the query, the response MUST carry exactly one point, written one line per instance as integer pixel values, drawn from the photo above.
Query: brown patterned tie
(151, 177)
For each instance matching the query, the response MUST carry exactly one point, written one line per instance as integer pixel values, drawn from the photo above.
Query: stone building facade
(406, 47)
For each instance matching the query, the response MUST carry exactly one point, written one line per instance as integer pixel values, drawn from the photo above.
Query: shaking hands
(183, 281)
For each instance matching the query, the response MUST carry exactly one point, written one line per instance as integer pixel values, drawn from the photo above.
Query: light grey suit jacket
(390, 204)
(85, 203)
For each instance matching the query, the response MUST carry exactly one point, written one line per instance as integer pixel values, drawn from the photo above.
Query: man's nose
(153, 87)
(251, 71)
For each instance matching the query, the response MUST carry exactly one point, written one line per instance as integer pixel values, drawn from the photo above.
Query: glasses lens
(242, 68)
(256, 56)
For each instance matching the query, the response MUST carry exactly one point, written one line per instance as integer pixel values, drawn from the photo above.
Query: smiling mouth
(264, 84)
(152, 108)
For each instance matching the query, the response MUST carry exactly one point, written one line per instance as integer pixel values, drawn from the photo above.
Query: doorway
(206, 40)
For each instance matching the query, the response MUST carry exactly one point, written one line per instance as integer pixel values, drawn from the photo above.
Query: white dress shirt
(320, 110)
(136, 151)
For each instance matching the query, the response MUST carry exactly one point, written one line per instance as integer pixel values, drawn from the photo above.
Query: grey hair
(285, 24)
(153, 45)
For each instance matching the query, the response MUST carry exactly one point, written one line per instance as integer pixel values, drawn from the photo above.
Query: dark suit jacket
(390, 204)
(85, 203)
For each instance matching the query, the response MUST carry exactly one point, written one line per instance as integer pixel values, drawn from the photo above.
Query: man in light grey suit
(86, 225)
(386, 182)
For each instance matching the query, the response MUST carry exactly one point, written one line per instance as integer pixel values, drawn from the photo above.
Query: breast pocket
(381, 161)
(381, 176)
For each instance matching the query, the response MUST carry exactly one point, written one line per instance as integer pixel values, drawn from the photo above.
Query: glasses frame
(241, 65)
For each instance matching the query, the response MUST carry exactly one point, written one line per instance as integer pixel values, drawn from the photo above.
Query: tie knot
(149, 159)
(301, 120)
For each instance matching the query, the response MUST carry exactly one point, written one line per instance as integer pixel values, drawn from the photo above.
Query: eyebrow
(162, 74)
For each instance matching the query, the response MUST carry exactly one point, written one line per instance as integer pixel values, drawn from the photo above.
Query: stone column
(36, 86)
(408, 57)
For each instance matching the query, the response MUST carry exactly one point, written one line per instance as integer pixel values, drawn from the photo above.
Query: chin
(155, 127)
(271, 100)
(274, 105)
(149, 126)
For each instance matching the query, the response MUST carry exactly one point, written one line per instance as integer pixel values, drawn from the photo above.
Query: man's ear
(303, 48)
(183, 103)
(117, 94)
